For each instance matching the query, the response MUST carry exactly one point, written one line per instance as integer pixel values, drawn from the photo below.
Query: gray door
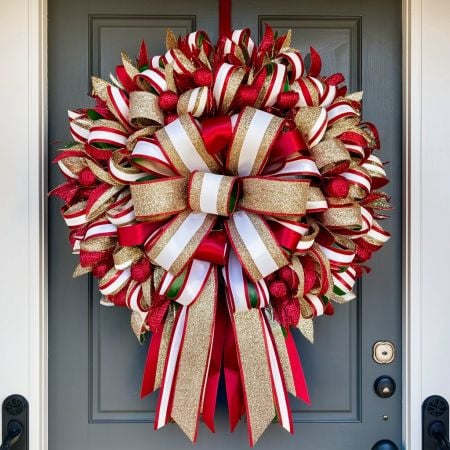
(95, 363)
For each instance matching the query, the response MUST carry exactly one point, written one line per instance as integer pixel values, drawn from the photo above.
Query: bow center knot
(213, 193)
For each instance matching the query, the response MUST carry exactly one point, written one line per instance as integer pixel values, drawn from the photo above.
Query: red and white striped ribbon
(76, 120)
(134, 297)
(114, 281)
(107, 135)
(101, 228)
(75, 216)
(221, 84)
(338, 256)
(122, 211)
(148, 155)
(155, 78)
(243, 39)
(124, 175)
(344, 280)
(295, 64)
(340, 110)
(358, 177)
(120, 105)
(299, 165)
(275, 86)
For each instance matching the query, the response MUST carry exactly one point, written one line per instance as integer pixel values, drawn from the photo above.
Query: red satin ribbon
(235, 393)
(224, 18)
(301, 389)
(285, 236)
(212, 382)
(148, 379)
(213, 248)
(217, 133)
(136, 234)
(286, 144)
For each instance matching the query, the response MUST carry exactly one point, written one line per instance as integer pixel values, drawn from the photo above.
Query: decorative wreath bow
(224, 196)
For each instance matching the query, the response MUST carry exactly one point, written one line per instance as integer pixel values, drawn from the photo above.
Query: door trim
(29, 53)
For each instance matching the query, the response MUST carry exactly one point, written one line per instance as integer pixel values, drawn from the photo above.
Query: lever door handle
(438, 431)
(13, 434)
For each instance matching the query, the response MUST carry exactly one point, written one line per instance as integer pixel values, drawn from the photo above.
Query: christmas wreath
(226, 195)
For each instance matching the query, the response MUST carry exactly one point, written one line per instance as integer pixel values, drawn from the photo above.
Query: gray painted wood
(95, 364)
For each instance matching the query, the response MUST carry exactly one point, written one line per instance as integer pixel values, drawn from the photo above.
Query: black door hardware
(435, 423)
(385, 444)
(384, 386)
(15, 423)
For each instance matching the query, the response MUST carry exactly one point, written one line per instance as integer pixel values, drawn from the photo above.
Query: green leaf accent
(142, 68)
(338, 291)
(176, 285)
(253, 295)
(93, 115)
(71, 144)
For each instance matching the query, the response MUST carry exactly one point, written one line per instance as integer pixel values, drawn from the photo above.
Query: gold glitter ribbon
(193, 362)
(342, 214)
(274, 196)
(145, 110)
(156, 199)
(240, 160)
(254, 371)
(330, 154)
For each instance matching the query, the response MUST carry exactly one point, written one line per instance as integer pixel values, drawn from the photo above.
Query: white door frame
(23, 274)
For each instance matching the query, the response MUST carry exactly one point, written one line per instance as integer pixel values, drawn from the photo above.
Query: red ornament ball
(168, 101)
(337, 187)
(86, 177)
(203, 77)
(141, 270)
(278, 289)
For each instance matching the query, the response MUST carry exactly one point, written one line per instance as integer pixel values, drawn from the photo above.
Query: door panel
(95, 363)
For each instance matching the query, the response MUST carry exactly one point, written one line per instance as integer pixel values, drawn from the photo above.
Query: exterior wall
(23, 187)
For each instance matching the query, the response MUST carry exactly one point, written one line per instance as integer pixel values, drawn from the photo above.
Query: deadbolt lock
(383, 352)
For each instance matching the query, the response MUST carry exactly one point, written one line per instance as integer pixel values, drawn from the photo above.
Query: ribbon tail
(192, 367)
(280, 395)
(148, 379)
(255, 371)
(212, 382)
(235, 394)
(301, 388)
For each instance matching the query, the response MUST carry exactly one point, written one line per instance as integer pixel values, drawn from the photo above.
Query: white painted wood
(426, 213)
(23, 185)
(427, 210)
(412, 229)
